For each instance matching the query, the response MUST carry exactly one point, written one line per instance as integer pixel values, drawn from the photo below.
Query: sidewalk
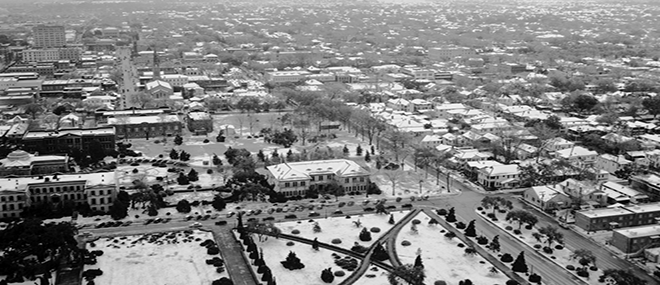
(232, 252)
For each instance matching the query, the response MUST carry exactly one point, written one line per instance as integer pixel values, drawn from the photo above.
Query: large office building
(49, 36)
(631, 240)
(63, 140)
(146, 126)
(295, 178)
(96, 189)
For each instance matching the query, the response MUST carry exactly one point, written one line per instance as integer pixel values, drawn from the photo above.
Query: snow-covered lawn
(442, 258)
(145, 173)
(342, 228)
(560, 257)
(371, 277)
(408, 184)
(276, 250)
(133, 260)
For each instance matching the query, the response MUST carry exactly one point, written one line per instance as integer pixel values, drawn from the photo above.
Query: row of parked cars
(112, 224)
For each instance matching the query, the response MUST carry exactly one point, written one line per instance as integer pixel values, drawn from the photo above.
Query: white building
(296, 178)
(611, 163)
(499, 176)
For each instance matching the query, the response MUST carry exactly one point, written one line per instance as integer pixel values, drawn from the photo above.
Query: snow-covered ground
(276, 250)
(562, 257)
(342, 228)
(442, 258)
(374, 278)
(158, 263)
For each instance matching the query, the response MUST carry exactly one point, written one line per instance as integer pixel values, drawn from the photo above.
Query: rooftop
(605, 212)
(302, 170)
(143, 120)
(643, 231)
(92, 179)
(76, 132)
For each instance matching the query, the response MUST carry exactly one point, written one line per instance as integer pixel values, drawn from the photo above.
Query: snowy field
(342, 228)
(373, 278)
(176, 261)
(276, 250)
(442, 258)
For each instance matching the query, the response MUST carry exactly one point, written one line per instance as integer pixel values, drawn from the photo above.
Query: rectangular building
(296, 178)
(49, 36)
(21, 163)
(96, 189)
(200, 123)
(632, 240)
(146, 126)
(64, 140)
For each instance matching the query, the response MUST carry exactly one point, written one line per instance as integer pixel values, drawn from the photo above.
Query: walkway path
(237, 267)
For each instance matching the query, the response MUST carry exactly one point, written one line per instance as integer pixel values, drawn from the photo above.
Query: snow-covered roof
(303, 170)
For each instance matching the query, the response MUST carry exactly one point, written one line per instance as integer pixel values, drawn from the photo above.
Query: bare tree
(140, 99)
(393, 176)
(51, 121)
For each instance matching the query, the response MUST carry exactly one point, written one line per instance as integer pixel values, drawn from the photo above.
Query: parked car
(269, 218)
(290, 216)
(406, 206)
(313, 214)
(257, 212)
(196, 225)
(369, 209)
(230, 214)
(221, 223)
(338, 212)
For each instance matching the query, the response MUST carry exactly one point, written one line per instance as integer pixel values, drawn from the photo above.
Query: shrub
(460, 245)
(512, 282)
(594, 268)
(538, 246)
(547, 250)
(290, 243)
(482, 240)
(295, 232)
(433, 222)
(506, 258)
(480, 208)
(212, 250)
(439, 282)
(341, 204)
(405, 243)
(534, 278)
(416, 222)
(350, 203)
(375, 230)
(398, 199)
(582, 273)
(335, 241)
(460, 225)
(365, 235)
(559, 247)
(570, 267)
(359, 249)
(340, 273)
(209, 171)
(206, 140)
(517, 232)
(490, 215)
(508, 228)
(528, 227)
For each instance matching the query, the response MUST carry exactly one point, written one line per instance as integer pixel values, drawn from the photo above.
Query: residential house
(525, 151)
(499, 177)
(557, 144)
(296, 178)
(582, 192)
(547, 198)
(577, 155)
(419, 106)
(431, 141)
(648, 183)
(611, 163)
(621, 194)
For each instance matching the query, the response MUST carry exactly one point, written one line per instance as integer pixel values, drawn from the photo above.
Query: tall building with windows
(49, 36)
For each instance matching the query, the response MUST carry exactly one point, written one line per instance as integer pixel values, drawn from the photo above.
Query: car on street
(269, 218)
(313, 214)
(221, 223)
(230, 214)
(196, 225)
(290, 216)
(338, 212)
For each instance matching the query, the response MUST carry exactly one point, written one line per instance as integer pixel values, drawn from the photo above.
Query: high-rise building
(49, 36)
